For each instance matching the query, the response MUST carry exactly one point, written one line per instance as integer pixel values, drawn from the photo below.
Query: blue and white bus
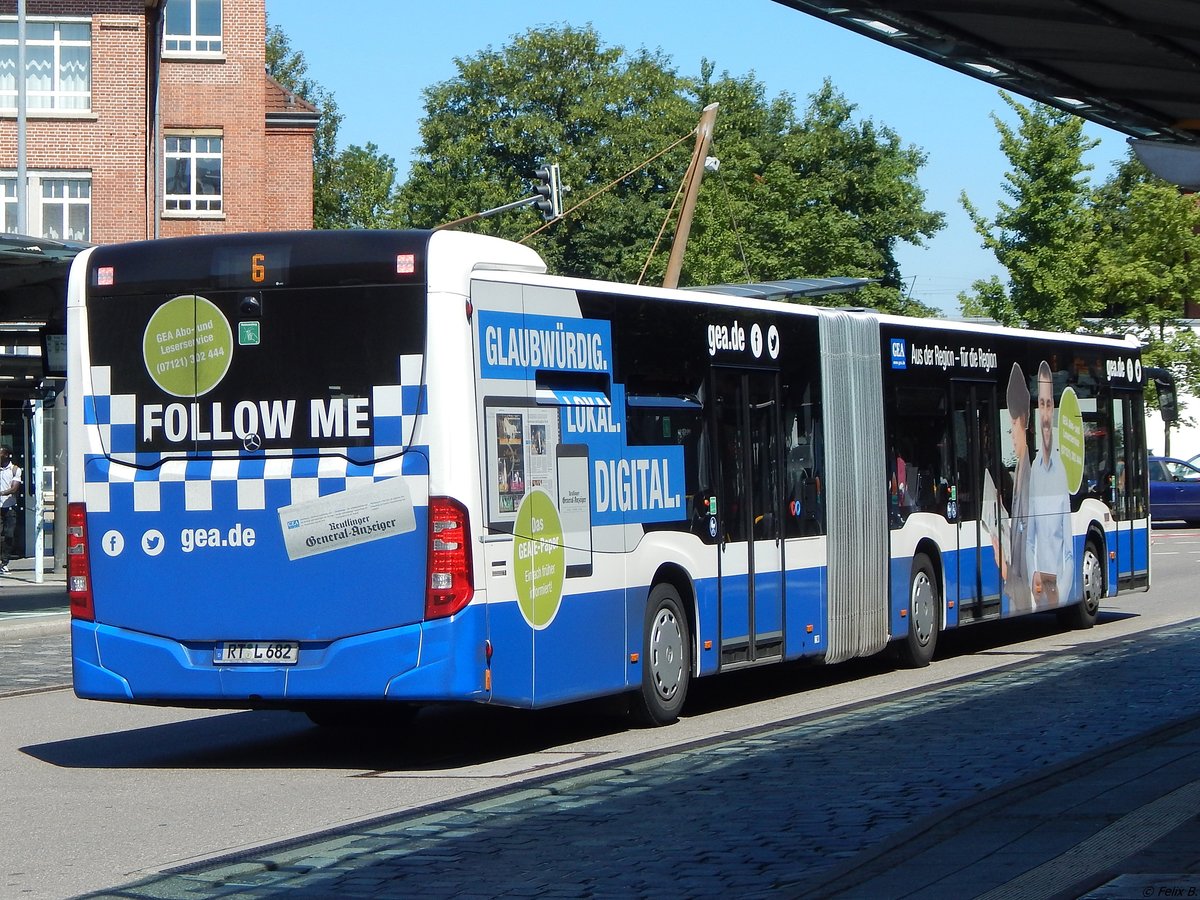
(316, 471)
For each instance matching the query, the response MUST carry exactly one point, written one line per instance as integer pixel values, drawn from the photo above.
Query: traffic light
(549, 191)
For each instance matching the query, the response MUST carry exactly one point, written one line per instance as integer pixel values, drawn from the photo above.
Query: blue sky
(376, 56)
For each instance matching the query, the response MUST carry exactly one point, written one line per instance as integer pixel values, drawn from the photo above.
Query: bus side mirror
(1164, 386)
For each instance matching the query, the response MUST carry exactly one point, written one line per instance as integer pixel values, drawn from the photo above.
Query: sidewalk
(28, 609)
(1122, 823)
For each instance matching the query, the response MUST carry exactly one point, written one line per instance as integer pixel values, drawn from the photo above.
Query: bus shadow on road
(442, 739)
(774, 682)
(439, 739)
(998, 637)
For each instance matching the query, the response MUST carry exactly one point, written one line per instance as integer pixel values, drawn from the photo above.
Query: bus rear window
(283, 369)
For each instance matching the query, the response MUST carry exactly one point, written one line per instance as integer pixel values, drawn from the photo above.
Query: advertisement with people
(1034, 547)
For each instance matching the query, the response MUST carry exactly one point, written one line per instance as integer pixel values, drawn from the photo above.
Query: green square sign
(248, 334)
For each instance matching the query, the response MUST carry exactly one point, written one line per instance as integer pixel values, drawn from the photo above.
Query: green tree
(363, 194)
(352, 188)
(1148, 266)
(555, 95)
(818, 195)
(1042, 234)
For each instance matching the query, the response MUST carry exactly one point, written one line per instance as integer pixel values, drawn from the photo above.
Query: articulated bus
(316, 471)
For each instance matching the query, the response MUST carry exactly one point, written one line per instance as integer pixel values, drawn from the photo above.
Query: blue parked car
(1174, 490)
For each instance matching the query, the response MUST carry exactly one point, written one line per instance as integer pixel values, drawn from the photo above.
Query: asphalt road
(796, 781)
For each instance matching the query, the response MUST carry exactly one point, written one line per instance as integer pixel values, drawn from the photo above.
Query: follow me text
(271, 420)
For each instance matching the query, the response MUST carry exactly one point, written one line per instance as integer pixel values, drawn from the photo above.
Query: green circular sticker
(540, 563)
(1070, 439)
(188, 346)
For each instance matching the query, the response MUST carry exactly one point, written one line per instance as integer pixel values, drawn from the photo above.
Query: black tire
(359, 716)
(1082, 615)
(666, 659)
(924, 615)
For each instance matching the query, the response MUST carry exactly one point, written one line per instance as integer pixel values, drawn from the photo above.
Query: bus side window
(804, 509)
(921, 438)
(682, 427)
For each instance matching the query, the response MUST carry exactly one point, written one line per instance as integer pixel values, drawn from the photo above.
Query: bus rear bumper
(411, 662)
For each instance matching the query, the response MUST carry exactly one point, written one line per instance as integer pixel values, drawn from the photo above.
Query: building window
(60, 205)
(66, 208)
(193, 26)
(58, 64)
(193, 173)
(8, 187)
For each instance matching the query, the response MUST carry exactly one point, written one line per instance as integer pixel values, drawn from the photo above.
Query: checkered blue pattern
(234, 479)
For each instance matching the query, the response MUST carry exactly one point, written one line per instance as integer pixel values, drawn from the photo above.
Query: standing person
(1051, 546)
(10, 493)
(1014, 566)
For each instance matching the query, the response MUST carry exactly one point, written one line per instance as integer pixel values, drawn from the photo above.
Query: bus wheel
(1083, 614)
(924, 613)
(666, 659)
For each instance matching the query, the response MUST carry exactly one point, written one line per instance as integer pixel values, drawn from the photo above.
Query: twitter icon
(152, 542)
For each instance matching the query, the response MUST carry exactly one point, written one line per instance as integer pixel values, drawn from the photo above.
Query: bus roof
(752, 300)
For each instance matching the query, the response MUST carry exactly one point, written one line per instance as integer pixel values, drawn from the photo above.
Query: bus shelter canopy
(33, 289)
(1132, 65)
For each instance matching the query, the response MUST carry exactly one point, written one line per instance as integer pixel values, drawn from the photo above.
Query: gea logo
(733, 339)
(197, 538)
(726, 337)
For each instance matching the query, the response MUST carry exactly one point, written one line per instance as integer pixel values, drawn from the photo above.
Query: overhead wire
(662, 230)
(737, 231)
(610, 185)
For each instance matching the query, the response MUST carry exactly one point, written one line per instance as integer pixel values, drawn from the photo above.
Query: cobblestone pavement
(947, 792)
(35, 644)
(35, 663)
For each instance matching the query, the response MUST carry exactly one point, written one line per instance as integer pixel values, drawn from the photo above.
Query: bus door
(750, 562)
(1127, 491)
(976, 500)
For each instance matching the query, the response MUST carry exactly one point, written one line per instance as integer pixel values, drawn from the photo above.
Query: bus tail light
(79, 567)
(450, 585)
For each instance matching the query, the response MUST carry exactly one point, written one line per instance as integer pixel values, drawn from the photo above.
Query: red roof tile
(280, 100)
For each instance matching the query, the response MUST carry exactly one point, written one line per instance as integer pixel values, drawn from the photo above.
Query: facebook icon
(112, 543)
(899, 353)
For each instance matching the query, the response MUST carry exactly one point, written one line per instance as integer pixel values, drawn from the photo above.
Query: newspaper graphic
(352, 517)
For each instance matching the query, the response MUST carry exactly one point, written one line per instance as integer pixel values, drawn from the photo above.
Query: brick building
(142, 119)
(150, 118)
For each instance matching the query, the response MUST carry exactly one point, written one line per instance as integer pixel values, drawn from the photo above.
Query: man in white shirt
(1050, 545)
(10, 494)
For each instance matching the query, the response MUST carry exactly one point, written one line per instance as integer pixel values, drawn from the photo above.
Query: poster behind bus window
(520, 455)
(575, 508)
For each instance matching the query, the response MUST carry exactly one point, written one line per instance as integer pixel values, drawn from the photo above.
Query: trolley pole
(694, 175)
